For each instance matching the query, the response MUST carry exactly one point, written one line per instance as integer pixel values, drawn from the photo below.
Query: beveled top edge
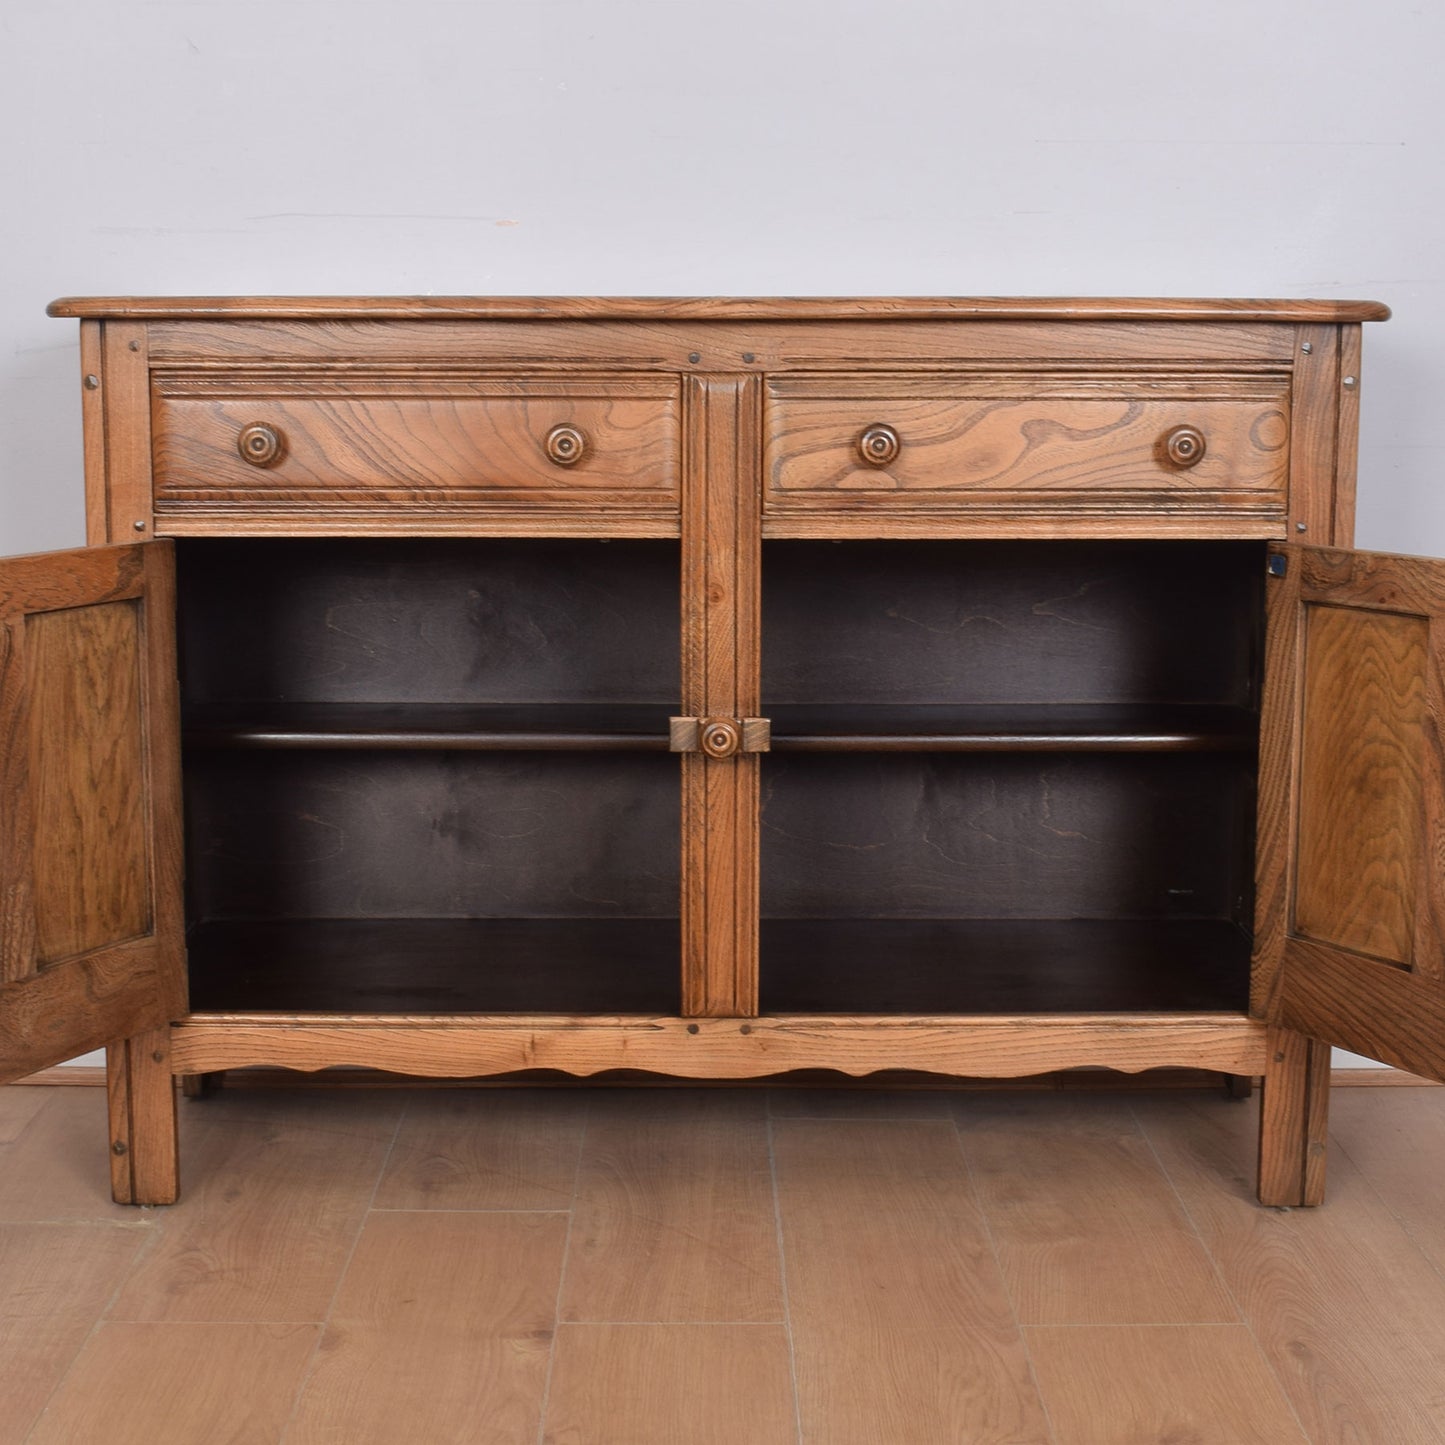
(694, 308)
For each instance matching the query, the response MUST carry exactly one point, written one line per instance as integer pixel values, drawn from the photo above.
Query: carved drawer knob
(878, 445)
(261, 445)
(720, 738)
(565, 445)
(1183, 447)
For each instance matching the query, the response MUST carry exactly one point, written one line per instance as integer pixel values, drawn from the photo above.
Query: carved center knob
(720, 738)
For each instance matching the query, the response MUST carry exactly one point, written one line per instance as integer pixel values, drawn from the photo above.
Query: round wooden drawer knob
(261, 445)
(720, 738)
(1183, 447)
(878, 445)
(565, 445)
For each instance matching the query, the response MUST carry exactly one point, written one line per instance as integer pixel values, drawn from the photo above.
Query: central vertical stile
(720, 592)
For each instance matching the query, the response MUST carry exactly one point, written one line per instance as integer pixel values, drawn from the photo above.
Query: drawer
(1096, 446)
(443, 446)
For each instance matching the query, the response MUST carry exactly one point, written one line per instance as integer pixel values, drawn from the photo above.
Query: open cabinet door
(1352, 805)
(91, 946)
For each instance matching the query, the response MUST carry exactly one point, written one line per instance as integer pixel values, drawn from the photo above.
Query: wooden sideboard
(721, 688)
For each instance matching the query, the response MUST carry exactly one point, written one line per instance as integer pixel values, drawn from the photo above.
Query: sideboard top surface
(687, 308)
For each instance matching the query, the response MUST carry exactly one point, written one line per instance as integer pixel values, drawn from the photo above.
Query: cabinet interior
(1009, 776)
(430, 775)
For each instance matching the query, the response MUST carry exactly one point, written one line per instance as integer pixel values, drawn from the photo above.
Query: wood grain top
(692, 308)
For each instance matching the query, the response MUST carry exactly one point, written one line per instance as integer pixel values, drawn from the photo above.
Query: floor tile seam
(138, 1226)
(309, 1372)
(434, 1213)
(978, 1203)
(788, 1336)
(881, 1121)
(1280, 1383)
(546, 1401)
(184, 1324)
(669, 1324)
(1149, 1325)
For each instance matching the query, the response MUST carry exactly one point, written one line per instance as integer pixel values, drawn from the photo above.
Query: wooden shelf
(493, 727)
(1002, 966)
(1061, 727)
(797, 727)
(436, 965)
(624, 966)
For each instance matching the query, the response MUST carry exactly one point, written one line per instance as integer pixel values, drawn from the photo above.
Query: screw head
(749, 357)
(1301, 526)
(694, 357)
(92, 382)
(1348, 381)
(1307, 347)
(139, 525)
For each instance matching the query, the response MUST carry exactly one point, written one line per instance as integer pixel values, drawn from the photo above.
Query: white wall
(1243, 147)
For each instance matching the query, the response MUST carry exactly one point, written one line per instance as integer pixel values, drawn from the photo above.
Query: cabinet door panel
(1352, 896)
(90, 916)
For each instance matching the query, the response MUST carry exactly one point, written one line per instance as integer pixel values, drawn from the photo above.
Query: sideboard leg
(144, 1165)
(1294, 1115)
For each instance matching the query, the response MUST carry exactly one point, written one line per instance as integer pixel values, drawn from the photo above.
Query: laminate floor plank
(902, 1329)
(440, 1333)
(57, 1158)
(276, 1187)
(674, 1218)
(486, 1149)
(1398, 1149)
(1159, 1385)
(166, 1384)
(55, 1282)
(899, 1314)
(640, 1384)
(1088, 1228)
(18, 1106)
(1347, 1311)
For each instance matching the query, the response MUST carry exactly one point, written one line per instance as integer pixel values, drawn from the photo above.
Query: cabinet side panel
(126, 392)
(1316, 418)
(92, 410)
(1347, 446)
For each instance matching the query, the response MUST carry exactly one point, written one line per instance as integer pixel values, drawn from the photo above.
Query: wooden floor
(720, 1267)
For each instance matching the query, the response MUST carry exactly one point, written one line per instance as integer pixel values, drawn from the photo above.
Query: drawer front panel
(1034, 446)
(306, 444)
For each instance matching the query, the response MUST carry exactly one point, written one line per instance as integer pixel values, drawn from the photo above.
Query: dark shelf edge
(256, 739)
(1012, 743)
